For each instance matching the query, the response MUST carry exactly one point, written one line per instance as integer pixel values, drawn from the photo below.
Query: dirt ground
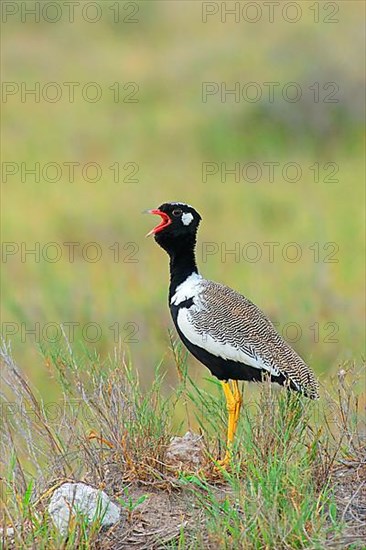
(159, 520)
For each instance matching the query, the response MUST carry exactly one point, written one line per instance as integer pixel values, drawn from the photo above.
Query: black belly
(225, 369)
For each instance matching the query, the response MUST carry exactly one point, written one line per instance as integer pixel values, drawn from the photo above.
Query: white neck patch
(187, 217)
(188, 289)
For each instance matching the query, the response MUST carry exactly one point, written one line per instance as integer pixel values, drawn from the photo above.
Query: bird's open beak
(165, 221)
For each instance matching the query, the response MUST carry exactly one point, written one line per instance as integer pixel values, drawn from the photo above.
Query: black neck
(182, 263)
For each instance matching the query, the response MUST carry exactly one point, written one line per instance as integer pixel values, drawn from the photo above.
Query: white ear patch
(187, 218)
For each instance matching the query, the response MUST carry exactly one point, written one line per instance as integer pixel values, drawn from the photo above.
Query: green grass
(279, 491)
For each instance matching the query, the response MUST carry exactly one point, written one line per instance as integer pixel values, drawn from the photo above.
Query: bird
(221, 328)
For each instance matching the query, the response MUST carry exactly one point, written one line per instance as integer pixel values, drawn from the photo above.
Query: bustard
(224, 330)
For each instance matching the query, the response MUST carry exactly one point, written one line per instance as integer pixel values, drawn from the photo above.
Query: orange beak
(165, 221)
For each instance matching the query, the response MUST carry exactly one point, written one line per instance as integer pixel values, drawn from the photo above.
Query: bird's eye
(177, 212)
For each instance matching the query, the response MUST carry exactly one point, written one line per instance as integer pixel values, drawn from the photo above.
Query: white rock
(81, 499)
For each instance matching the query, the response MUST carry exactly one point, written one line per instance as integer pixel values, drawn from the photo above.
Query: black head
(178, 226)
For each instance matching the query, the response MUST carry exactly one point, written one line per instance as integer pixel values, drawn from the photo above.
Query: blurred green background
(162, 140)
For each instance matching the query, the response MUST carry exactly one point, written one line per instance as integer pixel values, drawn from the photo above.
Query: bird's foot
(224, 463)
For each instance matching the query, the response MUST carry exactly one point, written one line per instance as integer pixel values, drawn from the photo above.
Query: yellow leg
(233, 404)
(238, 402)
